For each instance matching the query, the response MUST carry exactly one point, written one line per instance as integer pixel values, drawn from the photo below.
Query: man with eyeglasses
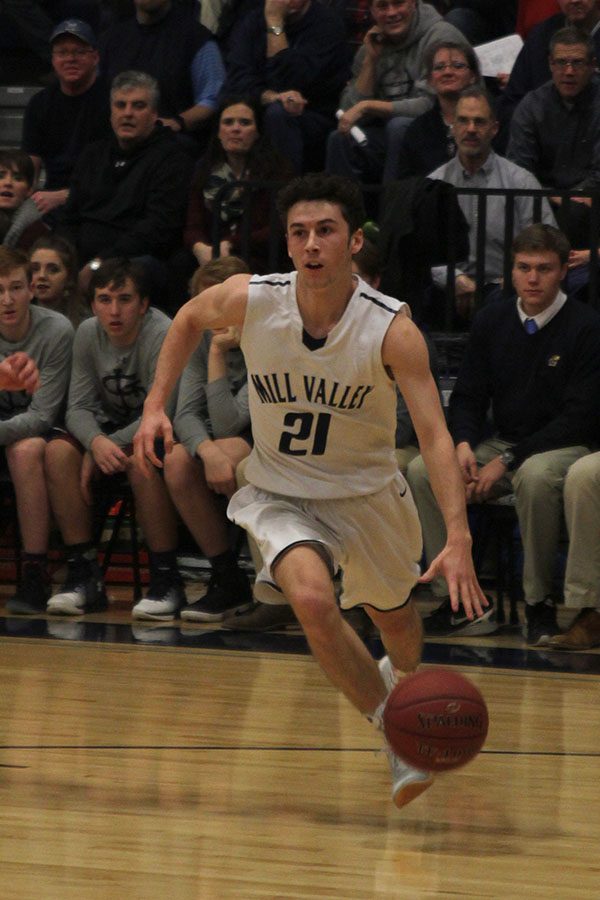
(69, 114)
(531, 68)
(555, 132)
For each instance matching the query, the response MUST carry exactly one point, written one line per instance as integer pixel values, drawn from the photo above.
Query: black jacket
(128, 203)
(421, 225)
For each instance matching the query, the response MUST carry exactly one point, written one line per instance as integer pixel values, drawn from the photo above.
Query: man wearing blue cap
(64, 117)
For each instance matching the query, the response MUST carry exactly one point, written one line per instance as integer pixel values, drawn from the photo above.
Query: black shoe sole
(217, 617)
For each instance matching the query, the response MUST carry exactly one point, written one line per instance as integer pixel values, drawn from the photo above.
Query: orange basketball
(436, 720)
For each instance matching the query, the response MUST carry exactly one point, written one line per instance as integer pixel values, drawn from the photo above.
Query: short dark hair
(116, 272)
(333, 189)
(479, 92)
(540, 237)
(19, 162)
(466, 50)
(572, 37)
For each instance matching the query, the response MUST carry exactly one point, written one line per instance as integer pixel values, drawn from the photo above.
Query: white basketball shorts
(374, 539)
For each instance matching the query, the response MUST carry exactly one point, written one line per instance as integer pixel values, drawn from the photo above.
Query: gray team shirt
(49, 342)
(215, 410)
(109, 384)
(323, 418)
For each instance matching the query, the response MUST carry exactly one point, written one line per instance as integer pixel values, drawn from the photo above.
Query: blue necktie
(531, 326)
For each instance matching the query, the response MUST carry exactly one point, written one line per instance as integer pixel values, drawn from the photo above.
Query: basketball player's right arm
(219, 306)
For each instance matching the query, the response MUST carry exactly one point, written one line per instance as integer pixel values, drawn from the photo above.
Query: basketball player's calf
(402, 636)
(401, 633)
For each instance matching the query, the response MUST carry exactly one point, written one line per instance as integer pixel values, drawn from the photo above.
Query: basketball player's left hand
(455, 564)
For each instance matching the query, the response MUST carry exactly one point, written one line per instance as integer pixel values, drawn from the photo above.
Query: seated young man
(212, 423)
(114, 357)
(20, 219)
(26, 418)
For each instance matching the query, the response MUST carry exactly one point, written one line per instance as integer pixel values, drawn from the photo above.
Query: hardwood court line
(250, 748)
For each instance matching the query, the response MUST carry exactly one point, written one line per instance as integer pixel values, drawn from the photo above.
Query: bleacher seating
(13, 100)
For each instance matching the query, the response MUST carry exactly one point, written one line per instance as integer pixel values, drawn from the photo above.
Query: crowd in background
(153, 152)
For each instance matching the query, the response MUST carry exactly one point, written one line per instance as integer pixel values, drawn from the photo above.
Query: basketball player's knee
(314, 606)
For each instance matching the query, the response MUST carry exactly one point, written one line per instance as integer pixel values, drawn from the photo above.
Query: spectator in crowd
(238, 151)
(35, 20)
(387, 89)
(531, 69)
(429, 140)
(128, 192)
(293, 57)
(555, 131)
(165, 40)
(483, 20)
(477, 166)
(535, 362)
(53, 270)
(62, 119)
(212, 424)
(582, 573)
(26, 420)
(20, 221)
(114, 357)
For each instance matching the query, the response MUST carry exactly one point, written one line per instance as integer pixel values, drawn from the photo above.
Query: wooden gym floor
(195, 764)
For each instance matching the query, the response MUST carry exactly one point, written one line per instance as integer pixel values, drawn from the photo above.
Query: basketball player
(18, 372)
(321, 347)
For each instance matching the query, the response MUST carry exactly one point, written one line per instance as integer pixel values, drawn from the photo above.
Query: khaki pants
(538, 488)
(582, 514)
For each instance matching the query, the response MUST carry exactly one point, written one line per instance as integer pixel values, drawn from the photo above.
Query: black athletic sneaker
(32, 592)
(226, 594)
(262, 617)
(443, 622)
(541, 624)
(82, 592)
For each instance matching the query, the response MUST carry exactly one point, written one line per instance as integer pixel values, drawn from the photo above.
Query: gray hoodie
(401, 76)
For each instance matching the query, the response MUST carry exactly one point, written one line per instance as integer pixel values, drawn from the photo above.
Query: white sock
(376, 718)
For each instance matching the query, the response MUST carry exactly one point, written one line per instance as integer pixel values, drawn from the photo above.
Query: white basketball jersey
(323, 419)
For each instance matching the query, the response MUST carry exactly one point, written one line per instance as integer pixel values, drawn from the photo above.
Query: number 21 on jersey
(307, 434)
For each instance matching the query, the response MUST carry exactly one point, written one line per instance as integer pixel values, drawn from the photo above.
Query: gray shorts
(374, 539)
